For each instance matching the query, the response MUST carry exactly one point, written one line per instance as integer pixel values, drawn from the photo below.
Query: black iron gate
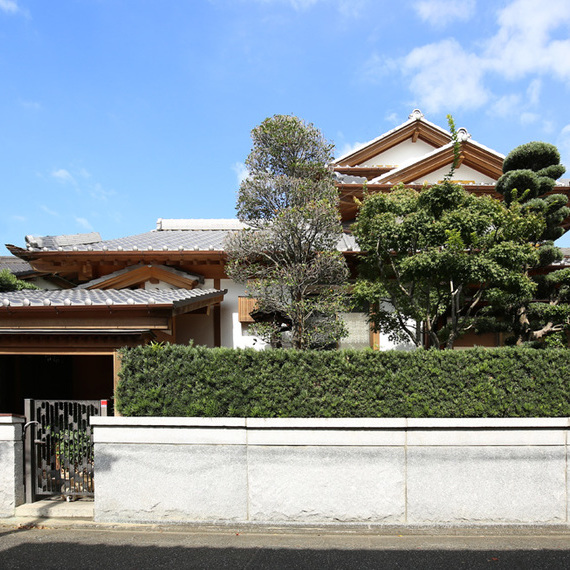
(59, 448)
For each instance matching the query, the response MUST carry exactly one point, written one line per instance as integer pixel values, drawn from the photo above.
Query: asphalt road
(141, 549)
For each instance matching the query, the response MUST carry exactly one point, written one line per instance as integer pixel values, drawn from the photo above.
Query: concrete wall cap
(170, 422)
(486, 423)
(11, 419)
(326, 423)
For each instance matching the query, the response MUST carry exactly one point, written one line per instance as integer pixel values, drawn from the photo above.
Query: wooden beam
(116, 369)
(217, 316)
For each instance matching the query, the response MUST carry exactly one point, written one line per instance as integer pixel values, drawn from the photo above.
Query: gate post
(11, 464)
(30, 466)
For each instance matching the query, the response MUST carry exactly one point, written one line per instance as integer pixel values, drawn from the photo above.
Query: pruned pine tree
(542, 314)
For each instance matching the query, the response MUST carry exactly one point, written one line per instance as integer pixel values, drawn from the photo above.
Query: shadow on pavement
(56, 555)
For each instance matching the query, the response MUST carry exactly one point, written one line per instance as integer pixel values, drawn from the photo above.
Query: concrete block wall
(11, 464)
(376, 471)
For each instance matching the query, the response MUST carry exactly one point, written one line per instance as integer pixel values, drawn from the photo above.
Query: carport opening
(53, 377)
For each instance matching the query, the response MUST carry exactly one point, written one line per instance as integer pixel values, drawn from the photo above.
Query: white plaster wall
(387, 344)
(462, 173)
(232, 332)
(399, 154)
(364, 470)
(160, 286)
(11, 465)
(44, 284)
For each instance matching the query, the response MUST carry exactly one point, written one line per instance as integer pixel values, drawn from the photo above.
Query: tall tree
(529, 176)
(288, 254)
(432, 257)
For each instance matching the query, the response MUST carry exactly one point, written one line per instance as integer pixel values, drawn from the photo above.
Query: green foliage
(9, 282)
(432, 257)
(287, 256)
(171, 380)
(542, 310)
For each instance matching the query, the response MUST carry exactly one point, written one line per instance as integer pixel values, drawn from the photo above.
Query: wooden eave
(65, 342)
(482, 160)
(87, 265)
(368, 172)
(414, 130)
(86, 317)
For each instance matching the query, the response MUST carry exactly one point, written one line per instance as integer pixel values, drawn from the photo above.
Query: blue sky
(114, 113)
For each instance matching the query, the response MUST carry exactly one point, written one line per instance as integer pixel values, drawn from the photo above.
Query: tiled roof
(15, 265)
(163, 224)
(53, 242)
(169, 240)
(173, 238)
(98, 297)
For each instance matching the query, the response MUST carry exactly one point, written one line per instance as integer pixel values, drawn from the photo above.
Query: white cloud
(31, 105)
(525, 41)
(10, 6)
(351, 8)
(48, 211)
(528, 118)
(377, 67)
(302, 4)
(392, 118)
(63, 176)
(445, 76)
(347, 8)
(505, 106)
(83, 222)
(533, 91)
(531, 40)
(241, 171)
(350, 147)
(440, 13)
(99, 193)
(17, 218)
(563, 145)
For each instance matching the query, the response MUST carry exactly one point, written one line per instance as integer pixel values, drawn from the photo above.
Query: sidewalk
(55, 513)
(144, 548)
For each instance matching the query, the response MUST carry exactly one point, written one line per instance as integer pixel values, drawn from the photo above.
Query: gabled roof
(137, 274)
(472, 154)
(416, 127)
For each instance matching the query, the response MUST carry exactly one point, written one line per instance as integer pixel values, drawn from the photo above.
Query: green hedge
(170, 380)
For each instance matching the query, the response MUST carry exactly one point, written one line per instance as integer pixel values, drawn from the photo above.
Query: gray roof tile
(15, 265)
(160, 240)
(99, 297)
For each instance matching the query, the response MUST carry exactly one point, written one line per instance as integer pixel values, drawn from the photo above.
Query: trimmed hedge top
(172, 380)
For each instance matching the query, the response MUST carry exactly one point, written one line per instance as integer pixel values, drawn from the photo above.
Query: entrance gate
(59, 448)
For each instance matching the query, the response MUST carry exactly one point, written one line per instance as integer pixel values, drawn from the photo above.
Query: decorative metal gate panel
(59, 448)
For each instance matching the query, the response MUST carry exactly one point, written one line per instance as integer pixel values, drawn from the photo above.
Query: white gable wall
(400, 154)
(462, 173)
